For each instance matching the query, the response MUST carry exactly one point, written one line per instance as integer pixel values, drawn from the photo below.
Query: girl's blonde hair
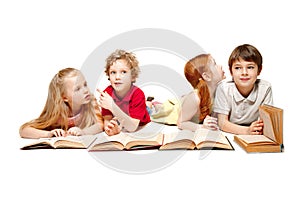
(192, 71)
(56, 111)
(128, 57)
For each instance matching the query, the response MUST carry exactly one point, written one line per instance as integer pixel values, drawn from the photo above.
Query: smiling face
(120, 77)
(244, 74)
(76, 92)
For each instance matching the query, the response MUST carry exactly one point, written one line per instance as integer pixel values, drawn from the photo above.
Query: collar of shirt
(252, 96)
(127, 97)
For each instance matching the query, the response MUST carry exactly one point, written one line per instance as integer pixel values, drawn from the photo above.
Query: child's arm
(189, 108)
(33, 133)
(112, 126)
(92, 130)
(130, 124)
(255, 128)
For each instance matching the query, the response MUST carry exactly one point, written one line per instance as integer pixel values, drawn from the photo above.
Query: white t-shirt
(241, 110)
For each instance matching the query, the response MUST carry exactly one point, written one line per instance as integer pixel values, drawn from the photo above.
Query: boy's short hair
(129, 57)
(248, 53)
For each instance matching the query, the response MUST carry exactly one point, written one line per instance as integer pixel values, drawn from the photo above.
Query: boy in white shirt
(237, 102)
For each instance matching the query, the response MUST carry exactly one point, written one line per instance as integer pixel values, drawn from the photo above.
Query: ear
(133, 79)
(258, 73)
(65, 99)
(206, 76)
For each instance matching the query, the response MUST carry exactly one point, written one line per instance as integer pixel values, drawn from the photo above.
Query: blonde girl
(203, 74)
(70, 109)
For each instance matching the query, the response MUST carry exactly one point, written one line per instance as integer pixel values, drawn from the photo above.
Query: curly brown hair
(129, 57)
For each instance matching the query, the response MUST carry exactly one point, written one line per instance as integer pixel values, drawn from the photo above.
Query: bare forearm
(130, 124)
(188, 125)
(30, 132)
(94, 129)
(230, 127)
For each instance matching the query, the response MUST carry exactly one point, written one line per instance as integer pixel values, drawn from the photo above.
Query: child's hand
(113, 127)
(210, 123)
(57, 133)
(105, 100)
(75, 131)
(256, 128)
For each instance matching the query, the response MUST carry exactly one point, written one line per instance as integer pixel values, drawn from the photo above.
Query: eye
(237, 68)
(250, 67)
(124, 72)
(112, 72)
(77, 89)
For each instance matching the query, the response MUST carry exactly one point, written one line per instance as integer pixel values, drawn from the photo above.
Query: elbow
(179, 124)
(132, 129)
(132, 126)
(22, 133)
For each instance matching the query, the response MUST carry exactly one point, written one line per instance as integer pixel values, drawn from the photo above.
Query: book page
(36, 143)
(209, 135)
(103, 138)
(255, 139)
(277, 122)
(179, 135)
(179, 139)
(143, 139)
(268, 125)
(72, 141)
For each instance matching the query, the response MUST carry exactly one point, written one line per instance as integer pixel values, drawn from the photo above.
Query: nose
(245, 71)
(86, 90)
(118, 75)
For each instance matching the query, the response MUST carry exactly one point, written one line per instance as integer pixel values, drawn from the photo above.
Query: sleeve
(221, 104)
(138, 108)
(268, 100)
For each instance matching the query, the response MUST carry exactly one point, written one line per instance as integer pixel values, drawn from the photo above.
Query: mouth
(117, 84)
(87, 97)
(244, 79)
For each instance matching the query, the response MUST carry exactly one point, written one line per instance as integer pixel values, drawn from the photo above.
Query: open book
(127, 141)
(148, 137)
(77, 142)
(201, 139)
(272, 138)
(154, 136)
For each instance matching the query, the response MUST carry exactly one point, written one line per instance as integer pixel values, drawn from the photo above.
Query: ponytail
(205, 100)
(192, 72)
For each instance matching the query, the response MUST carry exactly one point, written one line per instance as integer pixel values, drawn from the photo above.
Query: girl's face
(216, 70)
(244, 74)
(77, 92)
(120, 77)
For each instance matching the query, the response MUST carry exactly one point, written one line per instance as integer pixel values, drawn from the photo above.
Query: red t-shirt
(133, 104)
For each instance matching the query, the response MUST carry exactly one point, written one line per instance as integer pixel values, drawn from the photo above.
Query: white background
(39, 38)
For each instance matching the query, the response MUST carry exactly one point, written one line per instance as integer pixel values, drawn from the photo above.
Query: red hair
(192, 71)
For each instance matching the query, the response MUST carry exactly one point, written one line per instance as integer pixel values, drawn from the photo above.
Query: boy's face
(120, 77)
(244, 74)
